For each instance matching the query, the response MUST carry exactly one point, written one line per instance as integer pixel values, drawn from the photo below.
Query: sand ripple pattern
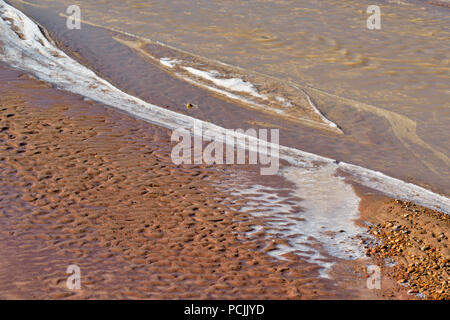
(82, 184)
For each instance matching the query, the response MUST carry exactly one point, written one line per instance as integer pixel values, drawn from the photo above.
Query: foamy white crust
(328, 208)
(168, 62)
(283, 101)
(233, 84)
(316, 110)
(36, 55)
(230, 95)
(231, 87)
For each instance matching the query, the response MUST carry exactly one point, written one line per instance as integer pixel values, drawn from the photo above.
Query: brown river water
(388, 89)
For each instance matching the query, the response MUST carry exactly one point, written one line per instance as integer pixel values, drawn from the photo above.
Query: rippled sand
(86, 185)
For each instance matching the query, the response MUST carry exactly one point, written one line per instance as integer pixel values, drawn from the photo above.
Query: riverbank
(86, 185)
(414, 241)
(373, 132)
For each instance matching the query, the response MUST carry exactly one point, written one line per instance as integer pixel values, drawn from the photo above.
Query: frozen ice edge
(240, 85)
(35, 55)
(325, 215)
(233, 84)
(317, 111)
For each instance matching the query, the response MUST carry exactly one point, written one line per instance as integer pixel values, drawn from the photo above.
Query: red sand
(86, 185)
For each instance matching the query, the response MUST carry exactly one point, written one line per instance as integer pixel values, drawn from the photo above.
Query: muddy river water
(387, 89)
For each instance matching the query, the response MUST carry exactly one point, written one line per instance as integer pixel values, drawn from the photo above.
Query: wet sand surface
(84, 185)
(410, 132)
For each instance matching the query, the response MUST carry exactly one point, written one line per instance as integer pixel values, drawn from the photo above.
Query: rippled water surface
(403, 67)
